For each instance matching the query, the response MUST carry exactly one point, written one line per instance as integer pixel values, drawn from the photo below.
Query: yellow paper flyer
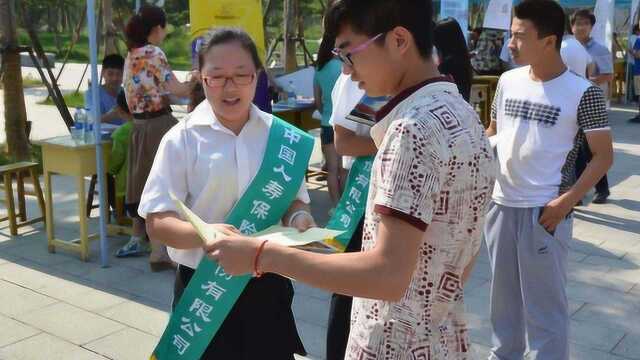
(284, 236)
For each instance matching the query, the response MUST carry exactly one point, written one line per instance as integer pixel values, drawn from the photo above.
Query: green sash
(211, 293)
(353, 203)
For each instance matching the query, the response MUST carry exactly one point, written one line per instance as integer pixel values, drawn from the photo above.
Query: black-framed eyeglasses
(221, 81)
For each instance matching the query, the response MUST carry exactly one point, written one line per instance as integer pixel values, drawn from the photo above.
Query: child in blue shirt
(112, 70)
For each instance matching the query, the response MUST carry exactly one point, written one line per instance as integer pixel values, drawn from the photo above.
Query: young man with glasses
(352, 118)
(430, 184)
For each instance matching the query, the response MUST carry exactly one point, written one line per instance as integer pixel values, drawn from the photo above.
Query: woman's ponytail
(140, 25)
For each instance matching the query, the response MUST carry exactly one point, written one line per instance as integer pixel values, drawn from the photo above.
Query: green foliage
(72, 100)
(80, 52)
(29, 82)
(177, 11)
(56, 20)
(54, 14)
(177, 47)
(36, 156)
(311, 11)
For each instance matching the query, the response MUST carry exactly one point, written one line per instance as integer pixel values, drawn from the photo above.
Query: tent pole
(95, 114)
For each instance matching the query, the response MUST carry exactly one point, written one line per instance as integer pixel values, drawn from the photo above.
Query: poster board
(498, 15)
(245, 14)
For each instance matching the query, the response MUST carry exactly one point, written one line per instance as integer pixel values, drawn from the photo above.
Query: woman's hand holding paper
(303, 222)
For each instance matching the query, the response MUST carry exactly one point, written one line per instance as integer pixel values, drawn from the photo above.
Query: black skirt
(260, 325)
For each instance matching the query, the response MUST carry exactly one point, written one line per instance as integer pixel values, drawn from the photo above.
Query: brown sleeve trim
(412, 220)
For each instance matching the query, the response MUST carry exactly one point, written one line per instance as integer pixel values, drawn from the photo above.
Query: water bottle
(291, 94)
(80, 118)
(89, 136)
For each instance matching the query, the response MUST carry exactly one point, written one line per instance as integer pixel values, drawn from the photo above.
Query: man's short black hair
(372, 17)
(113, 61)
(584, 14)
(546, 15)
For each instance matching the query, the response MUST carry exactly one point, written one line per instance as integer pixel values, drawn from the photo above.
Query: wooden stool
(7, 172)
(123, 224)
(116, 208)
(110, 195)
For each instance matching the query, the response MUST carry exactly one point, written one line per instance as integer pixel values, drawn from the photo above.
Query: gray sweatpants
(528, 284)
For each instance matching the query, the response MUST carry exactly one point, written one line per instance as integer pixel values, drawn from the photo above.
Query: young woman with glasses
(208, 161)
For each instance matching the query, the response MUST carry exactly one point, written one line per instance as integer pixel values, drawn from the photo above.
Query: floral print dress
(146, 73)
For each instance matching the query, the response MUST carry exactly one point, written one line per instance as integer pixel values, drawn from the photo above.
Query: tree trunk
(265, 12)
(67, 21)
(109, 28)
(15, 113)
(300, 36)
(290, 27)
(51, 27)
(4, 27)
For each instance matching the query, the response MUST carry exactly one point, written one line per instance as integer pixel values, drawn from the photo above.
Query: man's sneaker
(136, 246)
(600, 199)
(635, 120)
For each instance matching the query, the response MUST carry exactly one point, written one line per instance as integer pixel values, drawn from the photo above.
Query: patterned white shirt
(434, 169)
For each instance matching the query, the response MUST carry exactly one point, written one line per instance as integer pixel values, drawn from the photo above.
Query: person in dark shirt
(454, 54)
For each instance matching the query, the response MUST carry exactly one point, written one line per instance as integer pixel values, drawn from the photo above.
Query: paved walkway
(54, 304)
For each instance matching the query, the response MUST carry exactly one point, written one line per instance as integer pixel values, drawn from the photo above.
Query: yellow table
(66, 156)
(299, 115)
(491, 80)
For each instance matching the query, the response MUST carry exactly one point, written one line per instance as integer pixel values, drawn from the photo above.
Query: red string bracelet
(257, 273)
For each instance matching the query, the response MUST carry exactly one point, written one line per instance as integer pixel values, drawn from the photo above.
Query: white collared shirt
(208, 167)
